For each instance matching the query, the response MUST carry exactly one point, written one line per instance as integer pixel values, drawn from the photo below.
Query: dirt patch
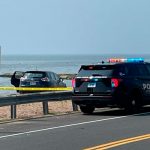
(36, 109)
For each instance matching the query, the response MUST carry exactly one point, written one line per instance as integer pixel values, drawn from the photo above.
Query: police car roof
(112, 64)
(108, 63)
(114, 61)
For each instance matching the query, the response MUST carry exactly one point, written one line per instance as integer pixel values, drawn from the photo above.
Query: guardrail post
(45, 108)
(74, 106)
(13, 111)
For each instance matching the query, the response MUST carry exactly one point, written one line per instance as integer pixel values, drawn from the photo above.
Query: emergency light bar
(114, 60)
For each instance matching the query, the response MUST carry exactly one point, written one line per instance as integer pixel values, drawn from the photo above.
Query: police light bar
(135, 60)
(115, 60)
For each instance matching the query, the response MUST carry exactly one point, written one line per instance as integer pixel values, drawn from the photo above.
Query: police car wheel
(134, 103)
(87, 109)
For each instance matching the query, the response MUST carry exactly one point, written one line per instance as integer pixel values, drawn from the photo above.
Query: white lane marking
(69, 125)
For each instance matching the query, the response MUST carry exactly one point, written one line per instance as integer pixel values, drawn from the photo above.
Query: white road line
(65, 126)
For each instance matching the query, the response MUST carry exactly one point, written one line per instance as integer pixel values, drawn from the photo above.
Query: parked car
(36, 79)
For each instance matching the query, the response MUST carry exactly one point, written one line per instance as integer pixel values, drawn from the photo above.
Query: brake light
(45, 79)
(85, 79)
(73, 83)
(115, 82)
(91, 67)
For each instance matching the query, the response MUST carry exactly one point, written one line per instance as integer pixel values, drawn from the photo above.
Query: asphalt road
(77, 131)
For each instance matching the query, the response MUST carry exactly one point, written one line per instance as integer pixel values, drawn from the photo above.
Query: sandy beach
(36, 110)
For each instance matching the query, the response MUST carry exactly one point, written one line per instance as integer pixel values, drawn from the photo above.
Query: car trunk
(94, 80)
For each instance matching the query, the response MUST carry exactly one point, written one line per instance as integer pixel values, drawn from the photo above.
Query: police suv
(123, 83)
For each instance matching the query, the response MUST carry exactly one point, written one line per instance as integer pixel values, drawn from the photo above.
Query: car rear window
(34, 75)
(102, 70)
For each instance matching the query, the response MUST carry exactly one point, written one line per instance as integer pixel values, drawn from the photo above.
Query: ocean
(55, 63)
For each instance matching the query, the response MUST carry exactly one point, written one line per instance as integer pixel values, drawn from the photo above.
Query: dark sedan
(36, 79)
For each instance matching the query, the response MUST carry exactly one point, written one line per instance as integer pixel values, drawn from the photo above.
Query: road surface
(78, 131)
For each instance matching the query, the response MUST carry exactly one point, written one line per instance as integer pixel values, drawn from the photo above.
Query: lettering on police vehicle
(146, 86)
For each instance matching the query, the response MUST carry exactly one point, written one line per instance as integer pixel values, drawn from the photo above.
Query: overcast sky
(74, 26)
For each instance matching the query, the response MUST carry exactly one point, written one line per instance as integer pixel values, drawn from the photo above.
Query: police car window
(96, 70)
(148, 68)
(120, 71)
(142, 70)
(132, 70)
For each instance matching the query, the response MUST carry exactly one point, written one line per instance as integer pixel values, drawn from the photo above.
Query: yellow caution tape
(36, 88)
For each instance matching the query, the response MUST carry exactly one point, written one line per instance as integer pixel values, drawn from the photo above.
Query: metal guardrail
(43, 97)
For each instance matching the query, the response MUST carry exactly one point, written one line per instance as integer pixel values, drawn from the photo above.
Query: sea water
(55, 63)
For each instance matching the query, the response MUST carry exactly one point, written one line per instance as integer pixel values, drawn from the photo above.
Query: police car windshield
(98, 70)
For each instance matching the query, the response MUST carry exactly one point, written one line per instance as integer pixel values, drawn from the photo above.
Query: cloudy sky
(74, 26)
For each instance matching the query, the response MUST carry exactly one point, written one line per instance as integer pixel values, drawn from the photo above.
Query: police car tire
(134, 103)
(87, 109)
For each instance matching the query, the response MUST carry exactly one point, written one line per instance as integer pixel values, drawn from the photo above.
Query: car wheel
(87, 109)
(21, 92)
(134, 103)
